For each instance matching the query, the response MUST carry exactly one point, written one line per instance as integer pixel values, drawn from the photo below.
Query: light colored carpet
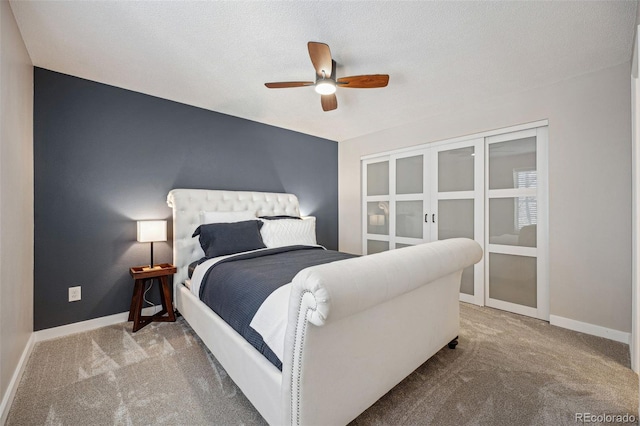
(507, 370)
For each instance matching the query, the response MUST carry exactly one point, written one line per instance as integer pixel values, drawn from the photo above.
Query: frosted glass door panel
(512, 164)
(374, 246)
(468, 280)
(409, 172)
(378, 178)
(513, 279)
(455, 169)
(409, 219)
(378, 217)
(455, 219)
(513, 221)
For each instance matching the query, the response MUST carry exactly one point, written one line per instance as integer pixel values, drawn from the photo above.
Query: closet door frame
(478, 197)
(541, 251)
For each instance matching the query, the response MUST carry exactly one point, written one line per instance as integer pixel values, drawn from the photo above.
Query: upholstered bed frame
(356, 327)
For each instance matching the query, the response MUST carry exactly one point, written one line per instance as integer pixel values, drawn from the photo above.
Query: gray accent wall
(105, 157)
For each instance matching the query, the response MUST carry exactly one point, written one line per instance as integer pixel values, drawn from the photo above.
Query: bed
(354, 328)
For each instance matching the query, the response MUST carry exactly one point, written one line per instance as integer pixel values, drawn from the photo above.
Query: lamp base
(151, 268)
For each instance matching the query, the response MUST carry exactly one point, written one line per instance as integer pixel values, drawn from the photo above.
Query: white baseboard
(92, 324)
(7, 400)
(595, 330)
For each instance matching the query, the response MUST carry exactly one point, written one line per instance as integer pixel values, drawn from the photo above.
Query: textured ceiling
(441, 56)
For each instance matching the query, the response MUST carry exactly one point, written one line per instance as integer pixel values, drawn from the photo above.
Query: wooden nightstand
(141, 274)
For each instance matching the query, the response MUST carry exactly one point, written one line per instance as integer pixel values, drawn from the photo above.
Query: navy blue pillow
(218, 239)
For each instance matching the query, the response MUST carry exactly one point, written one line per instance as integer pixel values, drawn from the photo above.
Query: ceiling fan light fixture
(326, 82)
(326, 87)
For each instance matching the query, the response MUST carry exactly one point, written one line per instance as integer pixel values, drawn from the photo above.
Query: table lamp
(150, 231)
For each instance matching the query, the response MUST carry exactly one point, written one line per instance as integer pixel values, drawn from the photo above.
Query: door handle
(426, 218)
(433, 218)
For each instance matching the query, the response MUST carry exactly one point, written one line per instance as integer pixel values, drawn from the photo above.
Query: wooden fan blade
(321, 59)
(364, 81)
(285, 84)
(329, 102)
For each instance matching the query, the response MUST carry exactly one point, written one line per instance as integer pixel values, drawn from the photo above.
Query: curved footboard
(357, 327)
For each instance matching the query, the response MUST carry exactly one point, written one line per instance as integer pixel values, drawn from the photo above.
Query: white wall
(635, 187)
(16, 200)
(589, 177)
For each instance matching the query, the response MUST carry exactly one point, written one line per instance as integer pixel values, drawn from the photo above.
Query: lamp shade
(376, 220)
(152, 230)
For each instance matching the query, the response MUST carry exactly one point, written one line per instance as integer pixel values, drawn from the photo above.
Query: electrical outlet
(75, 293)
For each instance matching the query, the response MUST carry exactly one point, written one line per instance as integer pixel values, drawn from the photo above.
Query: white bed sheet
(271, 319)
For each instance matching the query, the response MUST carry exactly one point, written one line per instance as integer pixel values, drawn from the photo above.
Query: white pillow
(227, 217)
(289, 232)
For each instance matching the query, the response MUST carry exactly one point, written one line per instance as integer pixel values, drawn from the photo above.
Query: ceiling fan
(326, 82)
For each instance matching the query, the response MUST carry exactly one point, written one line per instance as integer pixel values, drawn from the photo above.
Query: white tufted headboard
(188, 204)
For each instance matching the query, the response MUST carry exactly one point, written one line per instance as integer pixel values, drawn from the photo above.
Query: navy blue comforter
(235, 287)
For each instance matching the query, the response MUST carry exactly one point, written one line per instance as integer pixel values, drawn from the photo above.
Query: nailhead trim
(298, 378)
